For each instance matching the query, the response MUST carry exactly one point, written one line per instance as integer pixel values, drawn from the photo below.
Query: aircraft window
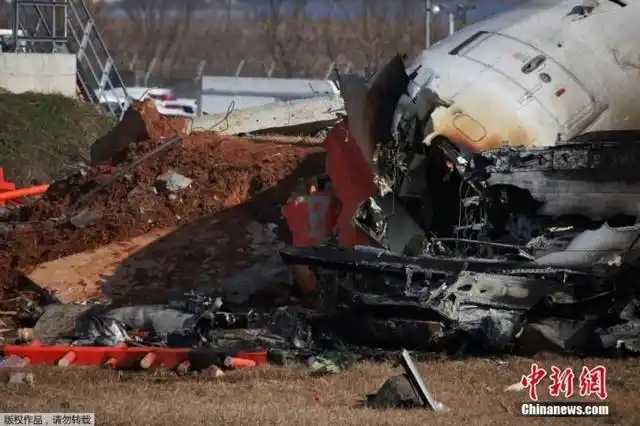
(533, 64)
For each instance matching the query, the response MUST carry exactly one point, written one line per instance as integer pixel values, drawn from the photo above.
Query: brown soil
(226, 171)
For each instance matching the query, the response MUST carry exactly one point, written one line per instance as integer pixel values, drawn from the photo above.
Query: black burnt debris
(515, 257)
(478, 252)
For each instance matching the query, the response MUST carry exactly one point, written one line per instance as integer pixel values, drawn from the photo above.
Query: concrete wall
(38, 72)
(217, 92)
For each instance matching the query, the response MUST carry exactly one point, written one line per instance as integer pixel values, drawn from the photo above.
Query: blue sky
(483, 8)
(323, 8)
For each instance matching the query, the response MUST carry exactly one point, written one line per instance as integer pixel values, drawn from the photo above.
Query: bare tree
(284, 27)
(161, 27)
(371, 29)
(5, 14)
(330, 35)
(223, 33)
(364, 32)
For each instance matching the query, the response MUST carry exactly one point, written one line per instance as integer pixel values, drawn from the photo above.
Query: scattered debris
(12, 371)
(21, 377)
(516, 387)
(213, 371)
(397, 392)
(85, 218)
(12, 362)
(329, 362)
(405, 391)
(172, 181)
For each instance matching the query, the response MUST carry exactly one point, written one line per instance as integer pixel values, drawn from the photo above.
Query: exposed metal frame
(47, 29)
(67, 25)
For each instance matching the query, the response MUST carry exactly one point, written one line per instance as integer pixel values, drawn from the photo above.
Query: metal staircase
(48, 26)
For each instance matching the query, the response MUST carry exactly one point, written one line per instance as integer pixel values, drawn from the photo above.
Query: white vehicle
(542, 72)
(164, 100)
(179, 107)
(6, 39)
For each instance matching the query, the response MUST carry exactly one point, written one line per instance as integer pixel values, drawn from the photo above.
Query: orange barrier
(23, 192)
(9, 192)
(126, 357)
(5, 186)
(234, 362)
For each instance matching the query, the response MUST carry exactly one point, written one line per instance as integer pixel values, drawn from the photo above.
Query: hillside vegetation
(40, 134)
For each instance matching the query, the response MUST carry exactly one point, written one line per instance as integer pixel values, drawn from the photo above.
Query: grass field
(473, 389)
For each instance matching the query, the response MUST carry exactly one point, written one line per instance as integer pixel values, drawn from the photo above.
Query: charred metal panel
(370, 107)
(597, 179)
(392, 226)
(360, 110)
(499, 291)
(607, 245)
(386, 262)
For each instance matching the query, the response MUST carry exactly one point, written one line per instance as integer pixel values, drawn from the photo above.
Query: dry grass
(474, 389)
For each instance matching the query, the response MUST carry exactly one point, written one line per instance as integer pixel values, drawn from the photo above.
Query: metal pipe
(54, 25)
(452, 23)
(15, 25)
(239, 68)
(54, 3)
(427, 23)
(23, 192)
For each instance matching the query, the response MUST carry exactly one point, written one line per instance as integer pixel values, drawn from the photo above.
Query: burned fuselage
(503, 124)
(543, 72)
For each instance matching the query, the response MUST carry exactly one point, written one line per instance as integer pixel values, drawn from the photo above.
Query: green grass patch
(40, 134)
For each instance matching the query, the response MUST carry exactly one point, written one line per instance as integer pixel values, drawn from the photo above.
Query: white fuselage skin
(535, 75)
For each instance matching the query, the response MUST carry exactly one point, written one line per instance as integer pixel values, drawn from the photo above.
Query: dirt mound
(141, 122)
(224, 172)
(40, 133)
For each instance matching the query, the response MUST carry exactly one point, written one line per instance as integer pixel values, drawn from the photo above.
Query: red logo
(594, 381)
(562, 382)
(532, 380)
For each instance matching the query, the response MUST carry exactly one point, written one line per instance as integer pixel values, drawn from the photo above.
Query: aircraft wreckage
(483, 198)
(490, 189)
